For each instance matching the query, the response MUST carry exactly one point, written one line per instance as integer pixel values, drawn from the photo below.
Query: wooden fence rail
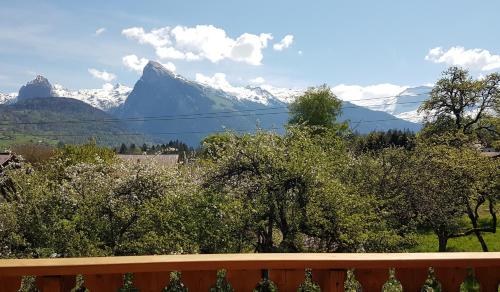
(244, 271)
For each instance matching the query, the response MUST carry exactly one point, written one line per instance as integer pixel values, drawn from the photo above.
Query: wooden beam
(131, 264)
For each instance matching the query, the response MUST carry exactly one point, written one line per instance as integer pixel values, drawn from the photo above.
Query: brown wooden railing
(244, 271)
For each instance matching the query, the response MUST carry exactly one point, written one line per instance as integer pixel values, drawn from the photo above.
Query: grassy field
(428, 241)
(7, 140)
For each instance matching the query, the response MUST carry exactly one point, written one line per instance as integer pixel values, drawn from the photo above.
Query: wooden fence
(245, 271)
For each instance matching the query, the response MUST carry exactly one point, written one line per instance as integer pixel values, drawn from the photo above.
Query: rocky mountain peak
(38, 87)
(154, 71)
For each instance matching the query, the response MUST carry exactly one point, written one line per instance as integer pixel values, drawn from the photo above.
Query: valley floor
(428, 242)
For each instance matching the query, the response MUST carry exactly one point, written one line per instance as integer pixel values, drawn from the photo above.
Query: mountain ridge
(197, 108)
(57, 118)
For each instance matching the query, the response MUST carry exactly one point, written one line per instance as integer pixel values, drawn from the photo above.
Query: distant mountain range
(403, 105)
(7, 98)
(106, 98)
(164, 105)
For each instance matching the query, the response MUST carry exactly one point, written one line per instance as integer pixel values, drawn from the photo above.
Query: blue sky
(351, 43)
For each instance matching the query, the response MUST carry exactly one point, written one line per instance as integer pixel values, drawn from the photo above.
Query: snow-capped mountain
(409, 101)
(106, 98)
(286, 95)
(403, 105)
(263, 94)
(8, 98)
(162, 93)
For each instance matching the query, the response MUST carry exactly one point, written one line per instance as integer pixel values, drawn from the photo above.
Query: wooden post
(10, 284)
(52, 284)
(334, 281)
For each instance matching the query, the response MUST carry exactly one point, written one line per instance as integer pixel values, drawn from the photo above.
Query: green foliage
(317, 107)
(175, 284)
(431, 283)
(308, 285)
(377, 141)
(460, 103)
(36, 120)
(351, 284)
(431, 187)
(392, 284)
(470, 284)
(109, 207)
(128, 284)
(309, 190)
(172, 147)
(213, 145)
(290, 188)
(266, 285)
(221, 284)
(86, 153)
(80, 285)
(28, 284)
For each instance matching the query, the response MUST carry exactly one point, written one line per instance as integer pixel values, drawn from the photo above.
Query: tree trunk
(481, 240)
(443, 241)
(473, 216)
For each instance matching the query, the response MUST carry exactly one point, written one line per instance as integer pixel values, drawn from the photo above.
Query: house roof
(491, 154)
(167, 159)
(4, 158)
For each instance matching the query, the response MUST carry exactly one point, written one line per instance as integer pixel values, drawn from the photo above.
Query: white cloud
(157, 37)
(169, 66)
(257, 80)
(284, 43)
(478, 59)
(218, 80)
(380, 97)
(173, 53)
(100, 30)
(134, 63)
(103, 75)
(201, 42)
(372, 95)
(248, 48)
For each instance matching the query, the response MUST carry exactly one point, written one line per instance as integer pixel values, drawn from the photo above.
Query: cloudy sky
(361, 48)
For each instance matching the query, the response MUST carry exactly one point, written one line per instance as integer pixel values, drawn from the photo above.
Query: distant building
(492, 154)
(7, 158)
(166, 159)
(486, 151)
(4, 159)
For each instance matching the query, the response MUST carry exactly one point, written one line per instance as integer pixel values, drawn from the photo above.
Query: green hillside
(56, 119)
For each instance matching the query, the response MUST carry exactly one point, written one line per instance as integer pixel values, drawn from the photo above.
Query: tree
(459, 102)
(435, 187)
(291, 192)
(34, 153)
(123, 149)
(377, 141)
(132, 149)
(84, 203)
(317, 107)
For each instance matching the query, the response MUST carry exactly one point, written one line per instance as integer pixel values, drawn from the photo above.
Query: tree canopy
(459, 102)
(317, 107)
